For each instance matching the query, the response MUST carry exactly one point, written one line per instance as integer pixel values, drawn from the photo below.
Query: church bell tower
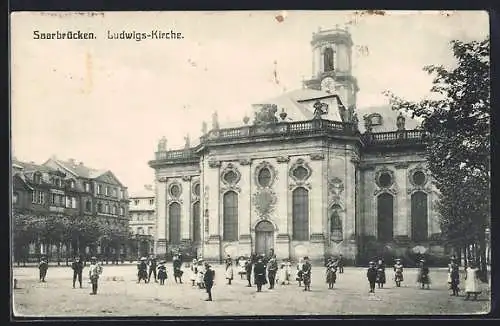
(332, 65)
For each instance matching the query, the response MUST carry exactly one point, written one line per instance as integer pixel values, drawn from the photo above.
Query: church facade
(304, 177)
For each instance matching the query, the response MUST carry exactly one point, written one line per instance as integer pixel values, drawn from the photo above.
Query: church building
(304, 177)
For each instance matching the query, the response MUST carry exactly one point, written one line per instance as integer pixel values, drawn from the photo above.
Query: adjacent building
(303, 178)
(67, 189)
(143, 219)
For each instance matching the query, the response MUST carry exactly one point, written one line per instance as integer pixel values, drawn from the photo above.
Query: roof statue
(204, 128)
(320, 109)
(162, 144)
(400, 122)
(266, 114)
(215, 121)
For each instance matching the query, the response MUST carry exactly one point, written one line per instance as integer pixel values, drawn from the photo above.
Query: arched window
(300, 212)
(174, 223)
(196, 222)
(88, 206)
(419, 224)
(335, 223)
(328, 62)
(385, 217)
(230, 217)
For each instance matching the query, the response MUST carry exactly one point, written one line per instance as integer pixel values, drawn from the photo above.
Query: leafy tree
(458, 153)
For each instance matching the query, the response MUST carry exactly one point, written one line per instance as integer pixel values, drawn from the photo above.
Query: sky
(107, 102)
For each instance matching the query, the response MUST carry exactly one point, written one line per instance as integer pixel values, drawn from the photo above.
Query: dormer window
(99, 189)
(37, 178)
(375, 119)
(72, 184)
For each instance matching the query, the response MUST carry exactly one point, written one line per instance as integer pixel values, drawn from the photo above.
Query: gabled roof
(79, 169)
(22, 177)
(389, 118)
(31, 167)
(108, 177)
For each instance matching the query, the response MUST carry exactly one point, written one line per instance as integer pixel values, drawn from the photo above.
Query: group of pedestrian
(472, 287)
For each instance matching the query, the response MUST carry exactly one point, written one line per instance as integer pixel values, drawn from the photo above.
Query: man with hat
(177, 269)
(259, 272)
(43, 267)
(142, 270)
(454, 275)
(272, 269)
(423, 275)
(152, 268)
(340, 264)
(77, 267)
(208, 279)
(94, 271)
(371, 274)
(306, 274)
(248, 270)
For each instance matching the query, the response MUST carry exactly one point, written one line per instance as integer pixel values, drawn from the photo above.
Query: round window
(300, 173)
(230, 177)
(419, 178)
(385, 179)
(264, 177)
(196, 189)
(175, 191)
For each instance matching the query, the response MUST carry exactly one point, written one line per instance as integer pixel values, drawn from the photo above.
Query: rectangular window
(87, 187)
(122, 211)
(53, 200)
(40, 197)
(230, 216)
(61, 201)
(107, 191)
(151, 202)
(33, 196)
(73, 202)
(68, 202)
(99, 189)
(300, 214)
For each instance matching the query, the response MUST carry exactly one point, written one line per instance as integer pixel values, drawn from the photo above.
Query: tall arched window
(328, 60)
(419, 224)
(196, 222)
(300, 214)
(174, 223)
(230, 216)
(385, 217)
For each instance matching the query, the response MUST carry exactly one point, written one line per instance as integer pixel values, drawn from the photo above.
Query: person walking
(248, 270)
(142, 270)
(423, 275)
(43, 266)
(454, 277)
(371, 275)
(340, 264)
(152, 269)
(208, 279)
(229, 269)
(95, 270)
(299, 277)
(380, 273)
(162, 272)
(77, 267)
(177, 269)
(398, 272)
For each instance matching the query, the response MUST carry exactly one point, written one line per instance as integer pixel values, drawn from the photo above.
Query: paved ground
(124, 297)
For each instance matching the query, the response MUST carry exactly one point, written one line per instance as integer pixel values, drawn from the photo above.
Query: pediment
(109, 177)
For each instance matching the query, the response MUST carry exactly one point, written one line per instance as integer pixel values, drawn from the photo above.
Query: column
(186, 210)
(317, 53)
(161, 215)
(370, 213)
(212, 250)
(282, 248)
(317, 237)
(400, 215)
(244, 208)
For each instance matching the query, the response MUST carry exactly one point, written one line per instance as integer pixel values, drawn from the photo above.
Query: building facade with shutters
(142, 222)
(304, 177)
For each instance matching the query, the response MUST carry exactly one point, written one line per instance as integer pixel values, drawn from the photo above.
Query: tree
(458, 152)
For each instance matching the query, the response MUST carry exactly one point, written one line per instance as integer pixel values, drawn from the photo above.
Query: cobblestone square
(120, 295)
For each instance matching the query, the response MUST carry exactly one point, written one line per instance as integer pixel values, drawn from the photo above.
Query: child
(371, 274)
(229, 269)
(194, 271)
(43, 267)
(281, 277)
(162, 272)
(201, 274)
(288, 268)
(331, 273)
(299, 271)
(398, 272)
(423, 275)
(471, 281)
(142, 271)
(242, 263)
(380, 273)
(454, 279)
(95, 270)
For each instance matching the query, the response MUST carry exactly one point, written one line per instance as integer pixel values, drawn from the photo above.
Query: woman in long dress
(201, 273)
(242, 263)
(281, 277)
(288, 269)
(299, 271)
(471, 282)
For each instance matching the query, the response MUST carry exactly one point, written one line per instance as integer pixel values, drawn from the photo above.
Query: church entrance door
(264, 237)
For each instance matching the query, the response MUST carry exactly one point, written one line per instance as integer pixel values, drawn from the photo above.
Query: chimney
(148, 187)
(72, 161)
(81, 164)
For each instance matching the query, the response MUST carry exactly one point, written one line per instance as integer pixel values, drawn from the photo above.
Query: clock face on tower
(328, 84)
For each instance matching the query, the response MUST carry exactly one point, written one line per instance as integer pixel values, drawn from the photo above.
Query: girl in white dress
(299, 271)
(281, 277)
(288, 269)
(194, 270)
(471, 282)
(201, 273)
(241, 263)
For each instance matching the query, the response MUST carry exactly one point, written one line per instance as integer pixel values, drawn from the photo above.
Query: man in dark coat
(77, 267)
(272, 269)
(248, 270)
(142, 270)
(259, 271)
(306, 274)
(177, 269)
(43, 267)
(208, 279)
(371, 274)
(152, 269)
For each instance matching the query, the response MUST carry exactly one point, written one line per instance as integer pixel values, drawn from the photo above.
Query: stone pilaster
(212, 250)
(281, 189)
(186, 210)
(316, 227)
(401, 215)
(161, 208)
(245, 208)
